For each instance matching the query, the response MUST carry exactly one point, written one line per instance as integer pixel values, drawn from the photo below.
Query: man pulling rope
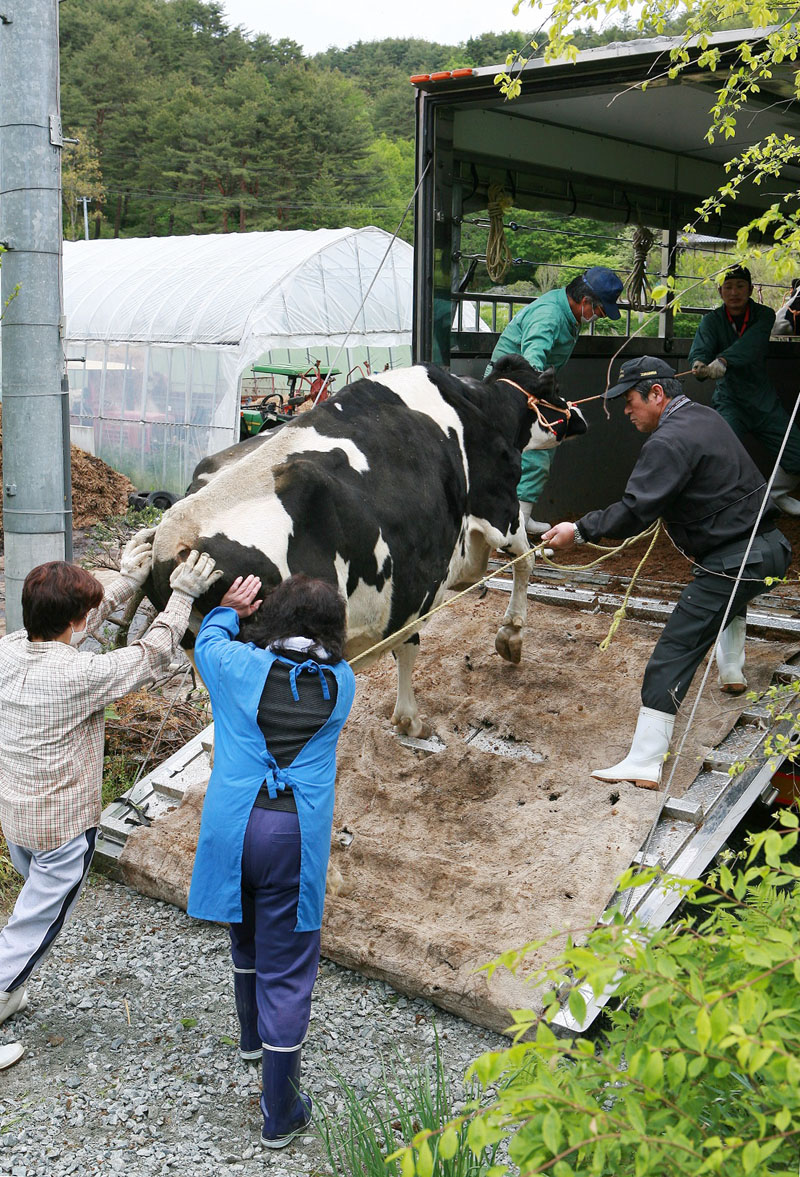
(693, 473)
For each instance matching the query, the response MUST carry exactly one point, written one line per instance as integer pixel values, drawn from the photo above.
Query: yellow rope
(498, 255)
(620, 613)
(654, 529)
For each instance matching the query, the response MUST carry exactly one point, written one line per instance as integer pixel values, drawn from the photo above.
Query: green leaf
(577, 1005)
(783, 1119)
(751, 1154)
(703, 1028)
(424, 1160)
(188, 1023)
(675, 1069)
(654, 1070)
(719, 1021)
(448, 1143)
(551, 1131)
(477, 1136)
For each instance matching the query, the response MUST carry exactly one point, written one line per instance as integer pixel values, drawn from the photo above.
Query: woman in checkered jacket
(52, 705)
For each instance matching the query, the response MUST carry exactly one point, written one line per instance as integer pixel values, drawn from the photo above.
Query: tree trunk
(118, 216)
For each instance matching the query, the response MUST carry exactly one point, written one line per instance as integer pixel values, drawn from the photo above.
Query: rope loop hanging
(498, 255)
(638, 290)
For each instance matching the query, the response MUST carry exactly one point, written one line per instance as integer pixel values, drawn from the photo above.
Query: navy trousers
(693, 624)
(285, 962)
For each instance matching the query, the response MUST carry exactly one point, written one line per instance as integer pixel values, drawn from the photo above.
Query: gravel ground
(129, 1064)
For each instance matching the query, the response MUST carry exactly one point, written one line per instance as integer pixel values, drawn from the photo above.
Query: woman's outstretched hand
(242, 594)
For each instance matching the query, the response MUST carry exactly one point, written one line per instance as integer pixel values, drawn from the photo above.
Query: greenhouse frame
(161, 330)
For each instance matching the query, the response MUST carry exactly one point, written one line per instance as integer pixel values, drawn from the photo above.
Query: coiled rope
(638, 290)
(498, 255)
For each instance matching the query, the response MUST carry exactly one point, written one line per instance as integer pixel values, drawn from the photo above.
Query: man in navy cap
(695, 474)
(730, 346)
(545, 333)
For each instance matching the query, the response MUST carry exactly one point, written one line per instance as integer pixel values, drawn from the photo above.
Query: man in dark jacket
(694, 473)
(730, 346)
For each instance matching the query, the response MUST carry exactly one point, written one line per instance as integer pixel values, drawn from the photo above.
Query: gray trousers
(693, 625)
(53, 882)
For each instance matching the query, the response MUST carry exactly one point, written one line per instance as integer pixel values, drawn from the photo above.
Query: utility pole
(36, 473)
(85, 201)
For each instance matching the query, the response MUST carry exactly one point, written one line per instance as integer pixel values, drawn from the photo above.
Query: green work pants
(535, 472)
(766, 419)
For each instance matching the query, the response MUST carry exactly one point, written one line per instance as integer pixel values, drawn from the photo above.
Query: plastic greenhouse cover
(279, 289)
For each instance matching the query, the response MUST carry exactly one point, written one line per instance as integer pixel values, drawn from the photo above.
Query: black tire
(162, 500)
(138, 500)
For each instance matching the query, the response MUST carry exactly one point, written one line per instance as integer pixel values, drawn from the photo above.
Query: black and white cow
(396, 489)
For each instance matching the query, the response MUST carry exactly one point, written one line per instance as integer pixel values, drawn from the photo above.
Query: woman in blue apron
(280, 696)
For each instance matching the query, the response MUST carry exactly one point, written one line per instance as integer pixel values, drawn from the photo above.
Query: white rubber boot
(11, 1003)
(10, 1054)
(782, 486)
(644, 762)
(730, 657)
(532, 526)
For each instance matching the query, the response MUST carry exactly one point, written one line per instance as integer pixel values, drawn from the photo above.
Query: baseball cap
(606, 287)
(640, 368)
(738, 273)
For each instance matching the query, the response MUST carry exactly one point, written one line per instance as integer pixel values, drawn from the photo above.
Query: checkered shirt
(52, 719)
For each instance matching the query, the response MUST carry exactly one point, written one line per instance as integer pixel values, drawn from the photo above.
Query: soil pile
(97, 491)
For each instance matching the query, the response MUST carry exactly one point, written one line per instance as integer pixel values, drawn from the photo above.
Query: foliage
(409, 1101)
(738, 75)
(699, 1072)
(107, 539)
(198, 127)
(81, 178)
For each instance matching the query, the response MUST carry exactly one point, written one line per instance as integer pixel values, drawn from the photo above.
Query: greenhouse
(160, 332)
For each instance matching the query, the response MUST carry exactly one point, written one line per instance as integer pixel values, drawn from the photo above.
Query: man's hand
(196, 575)
(561, 537)
(242, 594)
(713, 371)
(137, 557)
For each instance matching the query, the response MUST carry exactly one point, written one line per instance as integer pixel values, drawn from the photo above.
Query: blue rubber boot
(244, 992)
(286, 1110)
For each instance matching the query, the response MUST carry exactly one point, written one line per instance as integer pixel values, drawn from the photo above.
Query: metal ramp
(151, 797)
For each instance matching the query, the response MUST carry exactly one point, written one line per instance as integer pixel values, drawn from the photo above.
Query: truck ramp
(490, 833)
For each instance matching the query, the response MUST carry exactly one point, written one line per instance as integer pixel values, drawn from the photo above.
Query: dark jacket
(694, 473)
(746, 355)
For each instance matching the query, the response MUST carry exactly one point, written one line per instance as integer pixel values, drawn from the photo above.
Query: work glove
(195, 575)
(137, 557)
(713, 371)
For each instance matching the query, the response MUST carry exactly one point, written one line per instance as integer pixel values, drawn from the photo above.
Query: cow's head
(553, 419)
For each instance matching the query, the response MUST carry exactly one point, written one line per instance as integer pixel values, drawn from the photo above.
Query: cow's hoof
(508, 643)
(413, 726)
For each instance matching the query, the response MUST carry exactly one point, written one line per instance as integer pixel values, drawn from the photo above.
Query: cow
(396, 489)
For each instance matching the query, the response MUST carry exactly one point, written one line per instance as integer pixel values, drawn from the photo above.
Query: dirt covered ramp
(451, 858)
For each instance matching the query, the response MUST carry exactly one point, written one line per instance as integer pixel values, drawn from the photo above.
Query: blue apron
(235, 674)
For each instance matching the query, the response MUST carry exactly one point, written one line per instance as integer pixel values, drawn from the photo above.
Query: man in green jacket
(730, 346)
(545, 333)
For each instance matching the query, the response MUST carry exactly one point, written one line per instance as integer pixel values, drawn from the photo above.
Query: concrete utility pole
(35, 450)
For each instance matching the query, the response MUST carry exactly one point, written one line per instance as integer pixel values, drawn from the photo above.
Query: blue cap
(606, 287)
